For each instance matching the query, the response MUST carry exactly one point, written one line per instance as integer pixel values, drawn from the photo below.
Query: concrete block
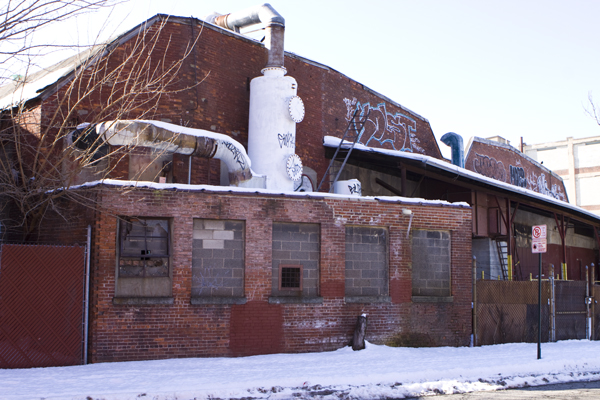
(213, 244)
(202, 234)
(225, 235)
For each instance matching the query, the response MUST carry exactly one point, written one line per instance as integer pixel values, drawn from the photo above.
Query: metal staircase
(344, 149)
(502, 248)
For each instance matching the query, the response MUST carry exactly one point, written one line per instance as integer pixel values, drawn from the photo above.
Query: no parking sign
(538, 239)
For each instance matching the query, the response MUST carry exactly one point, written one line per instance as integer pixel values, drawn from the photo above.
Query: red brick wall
(212, 92)
(122, 332)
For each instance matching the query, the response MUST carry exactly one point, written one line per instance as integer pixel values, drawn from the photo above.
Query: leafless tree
(592, 109)
(44, 146)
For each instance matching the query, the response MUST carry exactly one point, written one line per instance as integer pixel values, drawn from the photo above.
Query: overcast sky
(478, 68)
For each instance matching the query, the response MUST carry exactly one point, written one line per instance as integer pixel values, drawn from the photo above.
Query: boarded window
(295, 259)
(218, 258)
(366, 261)
(431, 263)
(144, 250)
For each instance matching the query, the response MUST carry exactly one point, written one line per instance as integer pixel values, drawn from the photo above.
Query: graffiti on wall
(539, 184)
(489, 166)
(397, 131)
(492, 168)
(517, 176)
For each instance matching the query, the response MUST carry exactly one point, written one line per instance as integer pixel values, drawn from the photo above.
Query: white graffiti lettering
(396, 131)
(540, 185)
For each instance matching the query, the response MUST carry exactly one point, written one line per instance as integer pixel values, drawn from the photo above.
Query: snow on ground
(378, 372)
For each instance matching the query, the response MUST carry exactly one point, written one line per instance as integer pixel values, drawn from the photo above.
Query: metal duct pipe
(275, 27)
(181, 140)
(455, 142)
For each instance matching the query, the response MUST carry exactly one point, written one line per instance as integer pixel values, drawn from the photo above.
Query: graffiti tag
(355, 188)
(540, 185)
(490, 167)
(396, 131)
(237, 154)
(287, 140)
(517, 176)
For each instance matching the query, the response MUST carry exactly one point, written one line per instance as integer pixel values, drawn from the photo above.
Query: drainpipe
(265, 14)
(182, 140)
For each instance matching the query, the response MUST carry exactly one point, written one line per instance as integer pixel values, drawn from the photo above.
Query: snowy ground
(378, 372)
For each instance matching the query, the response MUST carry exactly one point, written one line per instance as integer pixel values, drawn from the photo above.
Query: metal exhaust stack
(265, 14)
(274, 106)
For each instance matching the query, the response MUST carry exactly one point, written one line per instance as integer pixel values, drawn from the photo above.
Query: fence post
(552, 306)
(588, 322)
(592, 283)
(474, 302)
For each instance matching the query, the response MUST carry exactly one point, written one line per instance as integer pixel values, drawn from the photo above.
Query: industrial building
(270, 200)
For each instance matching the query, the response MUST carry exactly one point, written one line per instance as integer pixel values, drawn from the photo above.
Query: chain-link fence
(507, 311)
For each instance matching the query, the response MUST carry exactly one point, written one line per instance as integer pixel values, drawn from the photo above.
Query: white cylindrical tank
(351, 187)
(271, 130)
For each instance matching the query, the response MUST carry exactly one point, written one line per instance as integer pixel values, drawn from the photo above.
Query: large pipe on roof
(263, 14)
(171, 138)
(455, 142)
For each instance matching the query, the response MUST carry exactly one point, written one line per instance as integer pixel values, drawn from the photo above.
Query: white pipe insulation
(172, 138)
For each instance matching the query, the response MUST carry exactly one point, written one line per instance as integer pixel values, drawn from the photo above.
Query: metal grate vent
(290, 277)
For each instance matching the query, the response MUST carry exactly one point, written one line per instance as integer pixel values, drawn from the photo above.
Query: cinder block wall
(182, 329)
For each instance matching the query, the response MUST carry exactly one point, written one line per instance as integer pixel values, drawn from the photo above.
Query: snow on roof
(330, 141)
(242, 190)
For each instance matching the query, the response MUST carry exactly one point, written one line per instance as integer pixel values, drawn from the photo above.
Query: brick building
(194, 253)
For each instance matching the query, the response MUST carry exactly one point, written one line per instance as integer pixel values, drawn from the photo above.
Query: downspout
(171, 138)
(265, 14)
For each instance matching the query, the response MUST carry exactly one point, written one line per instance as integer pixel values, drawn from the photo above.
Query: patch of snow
(235, 189)
(376, 372)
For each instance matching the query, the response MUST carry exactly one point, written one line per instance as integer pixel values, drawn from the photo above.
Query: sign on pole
(538, 239)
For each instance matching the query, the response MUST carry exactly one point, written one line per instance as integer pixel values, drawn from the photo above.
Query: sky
(509, 68)
(377, 372)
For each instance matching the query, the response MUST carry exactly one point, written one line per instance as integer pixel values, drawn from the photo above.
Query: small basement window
(144, 248)
(290, 277)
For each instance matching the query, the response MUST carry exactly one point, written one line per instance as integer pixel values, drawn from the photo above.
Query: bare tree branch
(45, 148)
(592, 110)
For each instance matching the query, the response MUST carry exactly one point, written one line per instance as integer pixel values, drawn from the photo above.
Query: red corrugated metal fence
(41, 305)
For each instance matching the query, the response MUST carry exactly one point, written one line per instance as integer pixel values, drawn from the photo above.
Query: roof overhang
(444, 171)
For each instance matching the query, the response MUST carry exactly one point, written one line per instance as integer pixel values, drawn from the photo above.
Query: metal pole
(539, 347)
(86, 309)
(588, 325)
(552, 306)
(474, 303)
(593, 300)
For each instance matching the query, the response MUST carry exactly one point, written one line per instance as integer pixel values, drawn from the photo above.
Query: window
(366, 264)
(143, 261)
(218, 261)
(295, 254)
(144, 248)
(431, 261)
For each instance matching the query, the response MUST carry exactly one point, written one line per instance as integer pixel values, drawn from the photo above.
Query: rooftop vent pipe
(265, 14)
(178, 139)
(455, 142)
